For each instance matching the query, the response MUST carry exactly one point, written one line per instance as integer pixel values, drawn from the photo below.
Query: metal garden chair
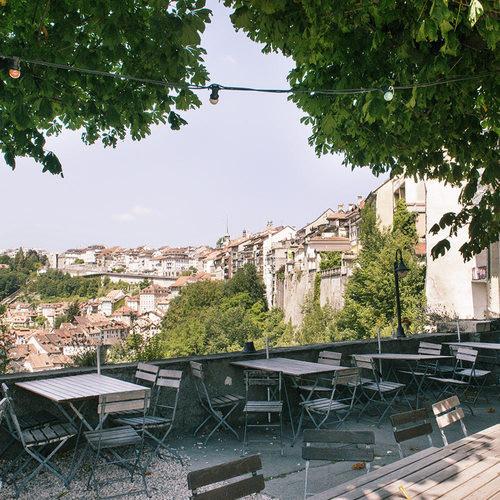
(239, 486)
(320, 384)
(33, 420)
(337, 446)
(424, 368)
(218, 408)
(464, 379)
(162, 413)
(409, 425)
(378, 392)
(39, 445)
(448, 412)
(3, 409)
(267, 402)
(113, 442)
(338, 405)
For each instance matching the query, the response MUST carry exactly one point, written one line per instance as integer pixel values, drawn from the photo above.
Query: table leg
(289, 409)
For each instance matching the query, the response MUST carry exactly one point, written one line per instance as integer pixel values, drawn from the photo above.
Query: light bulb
(389, 94)
(214, 94)
(15, 68)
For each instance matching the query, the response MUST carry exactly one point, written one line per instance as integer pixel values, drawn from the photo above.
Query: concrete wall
(295, 291)
(332, 288)
(221, 376)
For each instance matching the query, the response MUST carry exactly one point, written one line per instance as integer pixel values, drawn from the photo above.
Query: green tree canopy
(447, 132)
(369, 294)
(154, 39)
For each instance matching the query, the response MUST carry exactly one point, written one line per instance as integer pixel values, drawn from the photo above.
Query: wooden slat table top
(456, 472)
(495, 346)
(77, 387)
(293, 367)
(404, 357)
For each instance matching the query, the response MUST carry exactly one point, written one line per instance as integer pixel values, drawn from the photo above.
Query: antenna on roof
(227, 225)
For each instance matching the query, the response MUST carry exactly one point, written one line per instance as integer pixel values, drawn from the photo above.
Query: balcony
(284, 475)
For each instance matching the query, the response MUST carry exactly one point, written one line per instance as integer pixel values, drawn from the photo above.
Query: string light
(15, 72)
(389, 94)
(214, 93)
(15, 68)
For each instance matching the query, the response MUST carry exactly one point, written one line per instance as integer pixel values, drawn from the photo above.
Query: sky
(244, 161)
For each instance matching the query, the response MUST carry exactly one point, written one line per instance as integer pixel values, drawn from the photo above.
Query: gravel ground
(166, 481)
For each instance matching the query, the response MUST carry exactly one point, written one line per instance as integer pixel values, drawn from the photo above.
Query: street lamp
(400, 270)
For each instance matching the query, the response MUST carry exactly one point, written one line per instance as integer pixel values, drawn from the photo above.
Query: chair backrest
(330, 358)
(315, 440)
(429, 348)
(466, 354)
(269, 380)
(409, 425)
(131, 401)
(12, 422)
(366, 363)
(3, 408)
(238, 488)
(168, 383)
(199, 381)
(146, 372)
(348, 377)
(447, 412)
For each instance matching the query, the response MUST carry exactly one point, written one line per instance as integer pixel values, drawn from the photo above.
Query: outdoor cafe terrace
(467, 467)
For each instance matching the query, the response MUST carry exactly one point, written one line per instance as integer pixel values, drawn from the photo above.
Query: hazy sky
(246, 159)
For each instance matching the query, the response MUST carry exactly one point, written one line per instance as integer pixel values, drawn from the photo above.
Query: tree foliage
(369, 294)
(55, 284)
(447, 132)
(21, 266)
(154, 39)
(213, 316)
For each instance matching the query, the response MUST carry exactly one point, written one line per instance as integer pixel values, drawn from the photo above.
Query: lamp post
(400, 270)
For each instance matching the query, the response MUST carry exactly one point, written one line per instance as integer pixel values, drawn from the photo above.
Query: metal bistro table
(410, 360)
(466, 469)
(290, 367)
(77, 390)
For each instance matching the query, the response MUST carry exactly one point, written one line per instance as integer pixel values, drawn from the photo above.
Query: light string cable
(216, 87)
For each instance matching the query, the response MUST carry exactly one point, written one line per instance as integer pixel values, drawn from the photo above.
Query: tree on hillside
(246, 280)
(6, 343)
(154, 40)
(447, 132)
(369, 294)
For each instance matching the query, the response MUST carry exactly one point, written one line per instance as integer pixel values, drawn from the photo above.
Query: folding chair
(238, 487)
(378, 391)
(218, 408)
(464, 380)
(337, 446)
(319, 410)
(106, 442)
(3, 409)
(270, 403)
(161, 416)
(146, 374)
(320, 384)
(423, 368)
(409, 425)
(38, 445)
(448, 412)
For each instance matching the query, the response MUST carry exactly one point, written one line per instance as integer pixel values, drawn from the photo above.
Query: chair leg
(306, 479)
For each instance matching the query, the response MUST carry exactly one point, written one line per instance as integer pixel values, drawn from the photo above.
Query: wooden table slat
(65, 389)
(431, 470)
(495, 346)
(292, 367)
(404, 357)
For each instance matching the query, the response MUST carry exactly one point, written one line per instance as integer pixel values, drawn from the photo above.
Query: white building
(149, 297)
(454, 288)
(269, 264)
